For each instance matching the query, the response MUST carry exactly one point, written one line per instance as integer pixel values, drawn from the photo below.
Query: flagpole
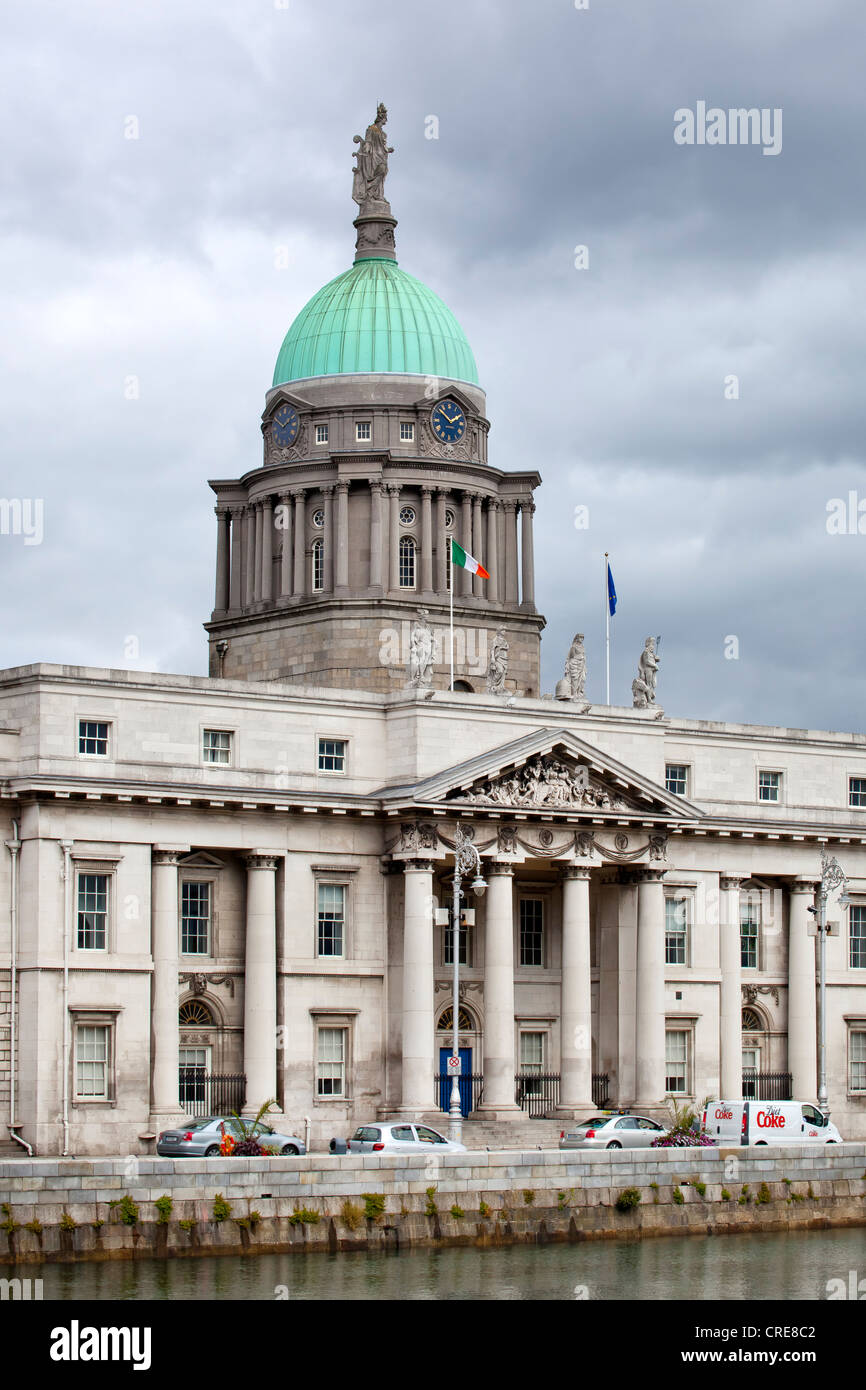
(451, 596)
(607, 627)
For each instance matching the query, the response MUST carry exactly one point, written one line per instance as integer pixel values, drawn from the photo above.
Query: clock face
(286, 425)
(448, 421)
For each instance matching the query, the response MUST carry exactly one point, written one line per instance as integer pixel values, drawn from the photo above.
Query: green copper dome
(375, 318)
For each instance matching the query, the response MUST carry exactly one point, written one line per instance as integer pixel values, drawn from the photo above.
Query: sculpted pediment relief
(546, 782)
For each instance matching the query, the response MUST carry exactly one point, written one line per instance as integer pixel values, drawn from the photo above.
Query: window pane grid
(216, 746)
(331, 918)
(676, 930)
(195, 919)
(857, 936)
(331, 1064)
(92, 912)
(531, 931)
(463, 939)
(91, 1062)
(318, 566)
(676, 778)
(769, 786)
(332, 755)
(676, 1062)
(407, 563)
(750, 917)
(857, 1059)
(857, 791)
(92, 737)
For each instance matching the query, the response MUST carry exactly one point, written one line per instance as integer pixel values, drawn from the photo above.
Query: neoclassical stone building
(222, 889)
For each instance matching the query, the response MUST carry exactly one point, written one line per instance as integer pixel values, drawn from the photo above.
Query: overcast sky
(156, 258)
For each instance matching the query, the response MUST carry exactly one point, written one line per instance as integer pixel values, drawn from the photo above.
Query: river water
(798, 1265)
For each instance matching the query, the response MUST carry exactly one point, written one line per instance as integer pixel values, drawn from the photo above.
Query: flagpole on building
(607, 628)
(451, 596)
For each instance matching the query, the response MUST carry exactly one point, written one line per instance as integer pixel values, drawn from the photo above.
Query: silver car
(202, 1137)
(612, 1132)
(401, 1138)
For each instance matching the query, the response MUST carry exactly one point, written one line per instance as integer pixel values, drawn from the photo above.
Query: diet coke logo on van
(724, 1114)
(771, 1119)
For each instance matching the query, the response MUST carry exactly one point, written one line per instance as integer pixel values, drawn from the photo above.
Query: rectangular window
(857, 936)
(531, 931)
(856, 1061)
(332, 754)
(92, 1044)
(331, 1062)
(331, 909)
(195, 919)
(531, 1061)
(676, 1062)
(448, 938)
(321, 434)
(318, 560)
(407, 432)
(216, 746)
(93, 738)
(750, 921)
(92, 912)
(676, 931)
(769, 786)
(363, 431)
(857, 791)
(751, 1067)
(677, 779)
(193, 1069)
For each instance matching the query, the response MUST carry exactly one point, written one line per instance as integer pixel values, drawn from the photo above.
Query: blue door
(465, 1080)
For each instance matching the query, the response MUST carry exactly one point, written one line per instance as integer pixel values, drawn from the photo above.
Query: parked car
(201, 1138)
(768, 1122)
(612, 1132)
(399, 1138)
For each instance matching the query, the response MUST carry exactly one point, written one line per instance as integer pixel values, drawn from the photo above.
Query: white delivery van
(768, 1122)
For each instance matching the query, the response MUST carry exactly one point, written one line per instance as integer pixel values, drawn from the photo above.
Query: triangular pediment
(201, 859)
(551, 771)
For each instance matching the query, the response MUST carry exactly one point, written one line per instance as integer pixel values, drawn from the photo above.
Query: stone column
(394, 535)
(286, 562)
(300, 584)
(494, 583)
(258, 550)
(236, 596)
(575, 1092)
(221, 596)
(802, 997)
(464, 578)
(510, 508)
(499, 1062)
(165, 947)
(376, 547)
(267, 550)
(427, 542)
(328, 541)
(418, 1062)
(341, 542)
(527, 511)
(650, 989)
(730, 998)
(260, 982)
(443, 558)
(250, 554)
(479, 586)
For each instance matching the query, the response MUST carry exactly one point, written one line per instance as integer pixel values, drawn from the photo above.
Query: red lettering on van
(724, 1115)
(770, 1119)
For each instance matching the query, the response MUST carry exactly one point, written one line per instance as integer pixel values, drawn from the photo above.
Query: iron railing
(767, 1085)
(600, 1089)
(536, 1092)
(471, 1091)
(205, 1093)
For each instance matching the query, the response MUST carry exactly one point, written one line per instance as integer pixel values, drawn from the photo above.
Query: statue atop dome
(368, 185)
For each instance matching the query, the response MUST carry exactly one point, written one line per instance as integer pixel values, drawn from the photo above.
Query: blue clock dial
(448, 421)
(286, 425)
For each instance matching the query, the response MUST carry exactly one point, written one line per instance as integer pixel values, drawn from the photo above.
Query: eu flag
(611, 592)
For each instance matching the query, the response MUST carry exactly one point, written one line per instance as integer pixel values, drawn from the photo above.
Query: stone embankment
(100, 1209)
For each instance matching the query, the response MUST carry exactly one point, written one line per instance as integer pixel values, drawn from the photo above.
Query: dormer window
(363, 431)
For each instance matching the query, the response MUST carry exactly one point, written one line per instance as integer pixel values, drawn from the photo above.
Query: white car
(768, 1122)
(612, 1131)
(401, 1138)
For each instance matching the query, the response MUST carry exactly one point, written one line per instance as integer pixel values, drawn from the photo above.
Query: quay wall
(97, 1209)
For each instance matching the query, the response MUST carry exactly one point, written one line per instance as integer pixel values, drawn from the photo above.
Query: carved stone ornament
(497, 668)
(274, 453)
(621, 841)
(421, 653)
(751, 992)
(658, 846)
(200, 983)
(465, 449)
(545, 781)
(414, 837)
(507, 839)
(643, 687)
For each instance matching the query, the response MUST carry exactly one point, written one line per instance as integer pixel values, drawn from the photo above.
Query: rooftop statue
(371, 168)
(643, 688)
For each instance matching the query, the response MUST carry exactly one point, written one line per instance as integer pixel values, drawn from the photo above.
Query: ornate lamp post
(832, 877)
(466, 860)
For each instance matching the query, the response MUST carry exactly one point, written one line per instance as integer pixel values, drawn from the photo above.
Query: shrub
(627, 1199)
(457, 1211)
(431, 1208)
(9, 1224)
(187, 1224)
(221, 1208)
(302, 1217)
(726, 1196)
(67, 1222)
(700, 1188)
(763, 1195)
(351, 1215)
(98, 1224)
(35, 1226)
(126, 1209)
(678, 1197)
(163, 1205)
(484, 1210)
(745, 1196)
(528, 1197)
(374, 1205)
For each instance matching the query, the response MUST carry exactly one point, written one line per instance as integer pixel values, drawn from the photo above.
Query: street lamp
(466, 860)
(832, 877)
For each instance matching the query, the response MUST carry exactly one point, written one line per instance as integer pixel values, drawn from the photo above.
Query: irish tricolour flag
(461, 557)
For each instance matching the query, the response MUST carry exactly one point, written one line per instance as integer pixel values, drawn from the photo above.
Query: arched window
(465, 1021)
(318, 556)
(752, 1021)
(463, 686)
(194, 1012)
(407, 562)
